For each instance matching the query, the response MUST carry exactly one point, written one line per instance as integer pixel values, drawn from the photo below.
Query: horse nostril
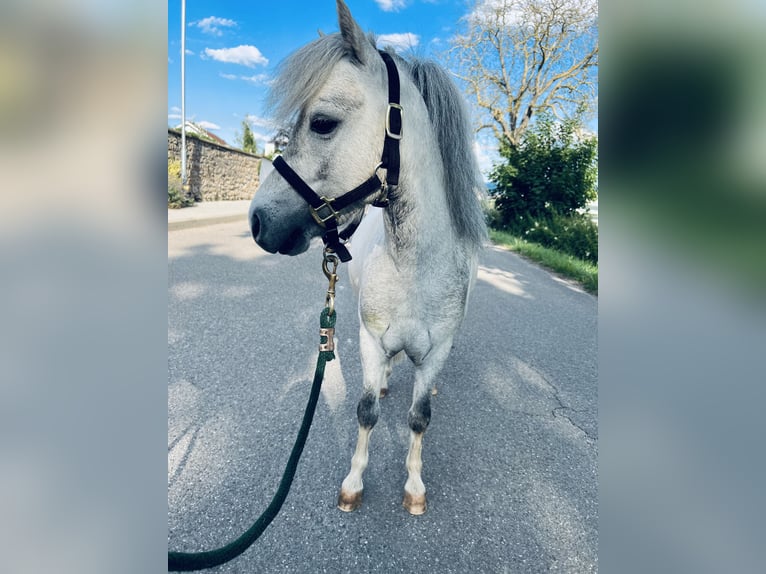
(255, 225)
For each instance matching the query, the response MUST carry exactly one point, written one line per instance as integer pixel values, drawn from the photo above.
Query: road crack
(555, 412)
(560, 410)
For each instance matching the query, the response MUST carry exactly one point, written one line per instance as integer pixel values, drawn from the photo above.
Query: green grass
(581, 271)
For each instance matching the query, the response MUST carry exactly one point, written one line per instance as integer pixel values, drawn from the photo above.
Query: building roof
(198, 130)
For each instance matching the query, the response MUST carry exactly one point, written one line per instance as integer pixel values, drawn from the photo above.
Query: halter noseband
(326, 210)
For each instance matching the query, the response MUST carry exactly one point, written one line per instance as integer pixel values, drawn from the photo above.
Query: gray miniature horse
(415, 255)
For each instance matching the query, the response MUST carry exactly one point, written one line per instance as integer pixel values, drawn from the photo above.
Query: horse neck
(418, 219)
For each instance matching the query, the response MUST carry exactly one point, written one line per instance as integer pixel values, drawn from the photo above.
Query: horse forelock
(302, 74)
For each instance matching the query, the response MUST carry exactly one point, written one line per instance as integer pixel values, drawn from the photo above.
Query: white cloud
(208, 125)
(175, 116)
(391, 5)
(257, 79)
(259, 121)
(189, 52)
(515, 13)
(486, 11)
(246, 55)
(212, 25)
(403, 41)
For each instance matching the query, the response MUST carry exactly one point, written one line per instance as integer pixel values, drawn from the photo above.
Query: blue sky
(233, 48)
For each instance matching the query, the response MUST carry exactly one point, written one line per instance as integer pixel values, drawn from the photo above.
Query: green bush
(553, 170)
(539, 191)
(574, 233)
(176, 197)
(492, 216)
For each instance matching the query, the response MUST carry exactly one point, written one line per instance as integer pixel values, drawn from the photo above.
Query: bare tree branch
(517, 58)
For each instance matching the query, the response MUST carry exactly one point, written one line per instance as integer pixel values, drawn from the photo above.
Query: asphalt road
(510, 457)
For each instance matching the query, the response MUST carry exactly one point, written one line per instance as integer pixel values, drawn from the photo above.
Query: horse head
(333, 93)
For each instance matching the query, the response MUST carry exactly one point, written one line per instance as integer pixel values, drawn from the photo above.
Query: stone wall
(215, 172)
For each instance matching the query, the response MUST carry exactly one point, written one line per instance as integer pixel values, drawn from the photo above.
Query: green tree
(551, 172)
(246, 140)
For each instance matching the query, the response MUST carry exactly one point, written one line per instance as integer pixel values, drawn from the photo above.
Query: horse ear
(352, 34)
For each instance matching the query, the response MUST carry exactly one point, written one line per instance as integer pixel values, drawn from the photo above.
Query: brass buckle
(329, 345)
(388, 121)
(323, 219)
(380, 177)
(382, 201)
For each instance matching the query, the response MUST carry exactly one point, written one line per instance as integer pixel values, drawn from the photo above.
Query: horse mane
(303, 74)
(450, 120)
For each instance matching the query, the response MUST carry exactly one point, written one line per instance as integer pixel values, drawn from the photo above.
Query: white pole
(183, 95)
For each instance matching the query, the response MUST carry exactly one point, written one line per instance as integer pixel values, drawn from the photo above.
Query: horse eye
(323, 126)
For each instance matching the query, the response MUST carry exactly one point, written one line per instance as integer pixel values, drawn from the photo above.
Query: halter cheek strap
(326, 210)
(390, 159)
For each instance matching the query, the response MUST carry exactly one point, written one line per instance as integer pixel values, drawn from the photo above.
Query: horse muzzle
(284, 239)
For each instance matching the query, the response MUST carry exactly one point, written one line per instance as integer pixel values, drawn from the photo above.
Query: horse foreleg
(418, 418)
(376, 369)
(414, 489)
(350, 497)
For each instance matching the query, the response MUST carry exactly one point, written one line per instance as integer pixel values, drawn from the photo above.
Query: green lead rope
(186, 561)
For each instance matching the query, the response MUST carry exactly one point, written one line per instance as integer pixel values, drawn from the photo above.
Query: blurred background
(83, 330)
(682, 185)
(681, 303)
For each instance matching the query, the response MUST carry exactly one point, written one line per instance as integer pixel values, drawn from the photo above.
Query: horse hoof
(349, 501)
(383, 392)
(414, 503)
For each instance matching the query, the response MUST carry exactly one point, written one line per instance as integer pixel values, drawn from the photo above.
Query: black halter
(326, 210)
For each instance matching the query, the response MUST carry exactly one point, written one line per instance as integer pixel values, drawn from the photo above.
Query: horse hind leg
(389, 368)
(384, 387)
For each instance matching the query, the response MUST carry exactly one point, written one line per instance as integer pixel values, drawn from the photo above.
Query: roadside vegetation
(538, 200)
(176, 197)
(571, 267)
(530, 70)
